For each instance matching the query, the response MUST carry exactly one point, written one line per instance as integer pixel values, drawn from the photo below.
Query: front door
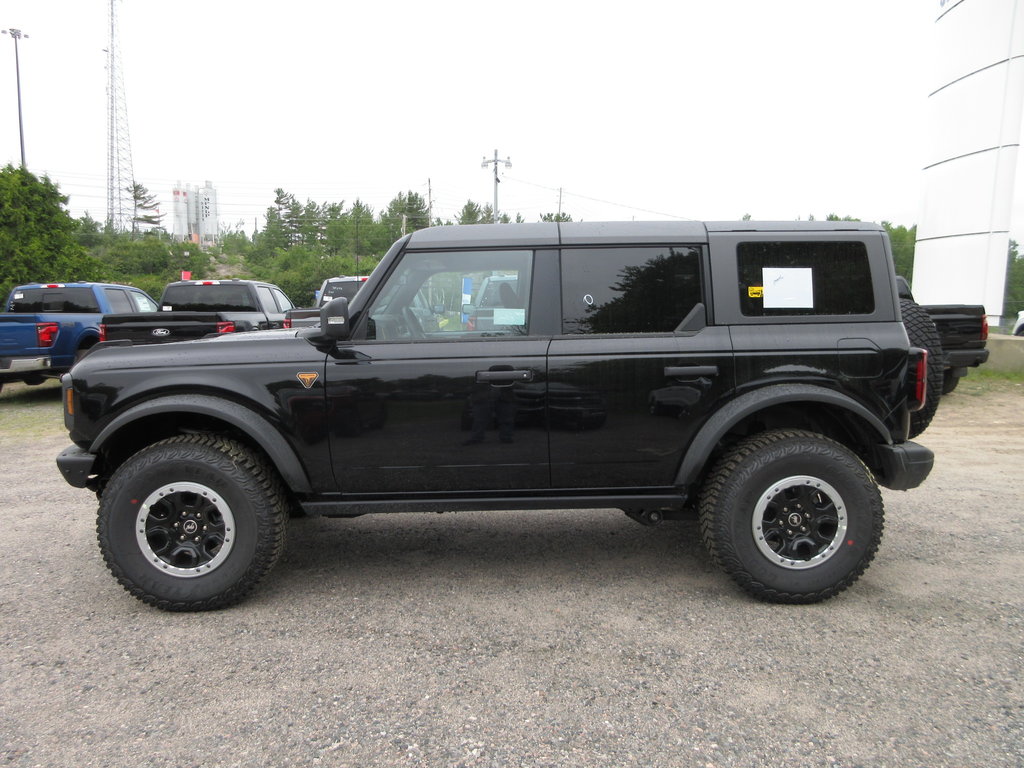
(436, 392)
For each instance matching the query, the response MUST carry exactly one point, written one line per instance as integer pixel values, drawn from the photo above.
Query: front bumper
(904, 465)
(75, 464)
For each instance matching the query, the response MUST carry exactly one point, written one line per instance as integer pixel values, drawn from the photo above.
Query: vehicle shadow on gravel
(16, 393)
(528, 549)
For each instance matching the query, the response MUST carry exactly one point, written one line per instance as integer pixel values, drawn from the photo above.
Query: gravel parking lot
(524, 638)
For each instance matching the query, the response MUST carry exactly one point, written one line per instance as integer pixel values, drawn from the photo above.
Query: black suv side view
(757, 375)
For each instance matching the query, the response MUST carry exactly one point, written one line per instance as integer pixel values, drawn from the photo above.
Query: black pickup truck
(192, 309)
(756, 375)
(957, 341)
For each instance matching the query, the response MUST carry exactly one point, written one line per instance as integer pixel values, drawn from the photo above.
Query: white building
(195, 214)
(975, 106)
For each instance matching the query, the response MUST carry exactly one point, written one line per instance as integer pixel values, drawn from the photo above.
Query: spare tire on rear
(923, 333)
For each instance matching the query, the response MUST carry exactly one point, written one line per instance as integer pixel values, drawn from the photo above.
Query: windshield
(346, 288)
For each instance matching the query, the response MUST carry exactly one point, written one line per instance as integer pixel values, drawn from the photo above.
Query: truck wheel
(791, 516)
(923, 333)
(192, 523)
(949, 381)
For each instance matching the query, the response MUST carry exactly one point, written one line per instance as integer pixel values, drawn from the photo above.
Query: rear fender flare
(745, 405)
(247, 421)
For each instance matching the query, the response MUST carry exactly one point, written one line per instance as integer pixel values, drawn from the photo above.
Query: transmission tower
(120, 202)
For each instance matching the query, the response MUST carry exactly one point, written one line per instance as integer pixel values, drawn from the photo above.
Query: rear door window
(119, 301)
(629, 290)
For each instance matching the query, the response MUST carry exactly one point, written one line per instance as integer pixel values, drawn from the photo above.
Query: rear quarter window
(779, 278)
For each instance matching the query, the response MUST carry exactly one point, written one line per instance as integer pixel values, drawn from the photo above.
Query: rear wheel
(791, 516)
(192, 523)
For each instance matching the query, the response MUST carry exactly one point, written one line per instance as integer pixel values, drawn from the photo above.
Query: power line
(562, 190)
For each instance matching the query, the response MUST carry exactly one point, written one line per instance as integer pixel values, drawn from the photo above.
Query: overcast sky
(647, 110)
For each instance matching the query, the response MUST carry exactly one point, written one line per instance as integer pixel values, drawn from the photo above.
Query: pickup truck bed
(192, 309)
(963, 329)
(48, 326)
(162, 327)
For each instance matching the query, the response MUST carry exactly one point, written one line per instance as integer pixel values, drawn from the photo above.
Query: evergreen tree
(146, 209)
(37, 235)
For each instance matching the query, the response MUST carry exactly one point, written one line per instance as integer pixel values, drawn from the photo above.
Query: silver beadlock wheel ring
(799, 522)
(185, 529)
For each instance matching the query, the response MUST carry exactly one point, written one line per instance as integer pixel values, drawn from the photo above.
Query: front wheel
(192, 522)
(791, 516)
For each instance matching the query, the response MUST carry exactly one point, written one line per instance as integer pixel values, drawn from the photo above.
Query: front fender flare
(735, 411)
(244, 419)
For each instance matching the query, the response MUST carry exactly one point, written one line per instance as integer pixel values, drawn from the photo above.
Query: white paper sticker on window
(509, 316)
(788, 287)
(19, 296)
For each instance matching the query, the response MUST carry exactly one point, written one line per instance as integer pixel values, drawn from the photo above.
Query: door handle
(691, 371)
(503, 377)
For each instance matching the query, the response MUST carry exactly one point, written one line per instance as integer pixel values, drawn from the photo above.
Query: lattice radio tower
(120, 202)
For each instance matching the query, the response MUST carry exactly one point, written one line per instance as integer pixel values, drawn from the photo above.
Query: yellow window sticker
(755, 292)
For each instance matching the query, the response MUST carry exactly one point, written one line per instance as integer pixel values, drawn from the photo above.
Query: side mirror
(334, 326)
(334, 318)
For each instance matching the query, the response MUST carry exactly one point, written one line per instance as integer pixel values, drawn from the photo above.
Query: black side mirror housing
(334, 325)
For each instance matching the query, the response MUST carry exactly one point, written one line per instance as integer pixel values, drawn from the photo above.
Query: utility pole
(16, 36)
(508, 164)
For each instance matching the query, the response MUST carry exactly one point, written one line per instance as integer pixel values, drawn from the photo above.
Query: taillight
(226, 327)
(287, 322)
(46, 334)
(103, 332)
(984, 327)
(919, 390)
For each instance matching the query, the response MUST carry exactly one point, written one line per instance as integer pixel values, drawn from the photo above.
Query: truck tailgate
(159, 327)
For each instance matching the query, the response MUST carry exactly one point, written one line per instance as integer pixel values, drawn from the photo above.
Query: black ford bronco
(757, 375)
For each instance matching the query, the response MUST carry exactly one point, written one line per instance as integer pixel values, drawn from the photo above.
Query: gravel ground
(525, 638)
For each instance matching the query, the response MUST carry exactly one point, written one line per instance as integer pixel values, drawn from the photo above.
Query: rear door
(636, 370)
(423, 401)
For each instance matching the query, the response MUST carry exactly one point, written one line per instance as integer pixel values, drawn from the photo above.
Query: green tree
(150, 262)
(146, 210)
(1013, 295)
(560, 216)
(37, 235)
(471, 213)
(406, 212)
(88, 231)
(903, 241)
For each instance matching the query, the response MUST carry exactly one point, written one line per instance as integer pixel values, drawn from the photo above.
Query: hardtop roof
(552, 234)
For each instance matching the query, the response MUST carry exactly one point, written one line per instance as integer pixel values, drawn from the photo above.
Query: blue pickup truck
(45, 327)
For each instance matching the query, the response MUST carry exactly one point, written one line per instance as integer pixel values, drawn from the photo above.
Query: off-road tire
(923, 333)
(949, 382)
(837, 494)
(192, 481)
